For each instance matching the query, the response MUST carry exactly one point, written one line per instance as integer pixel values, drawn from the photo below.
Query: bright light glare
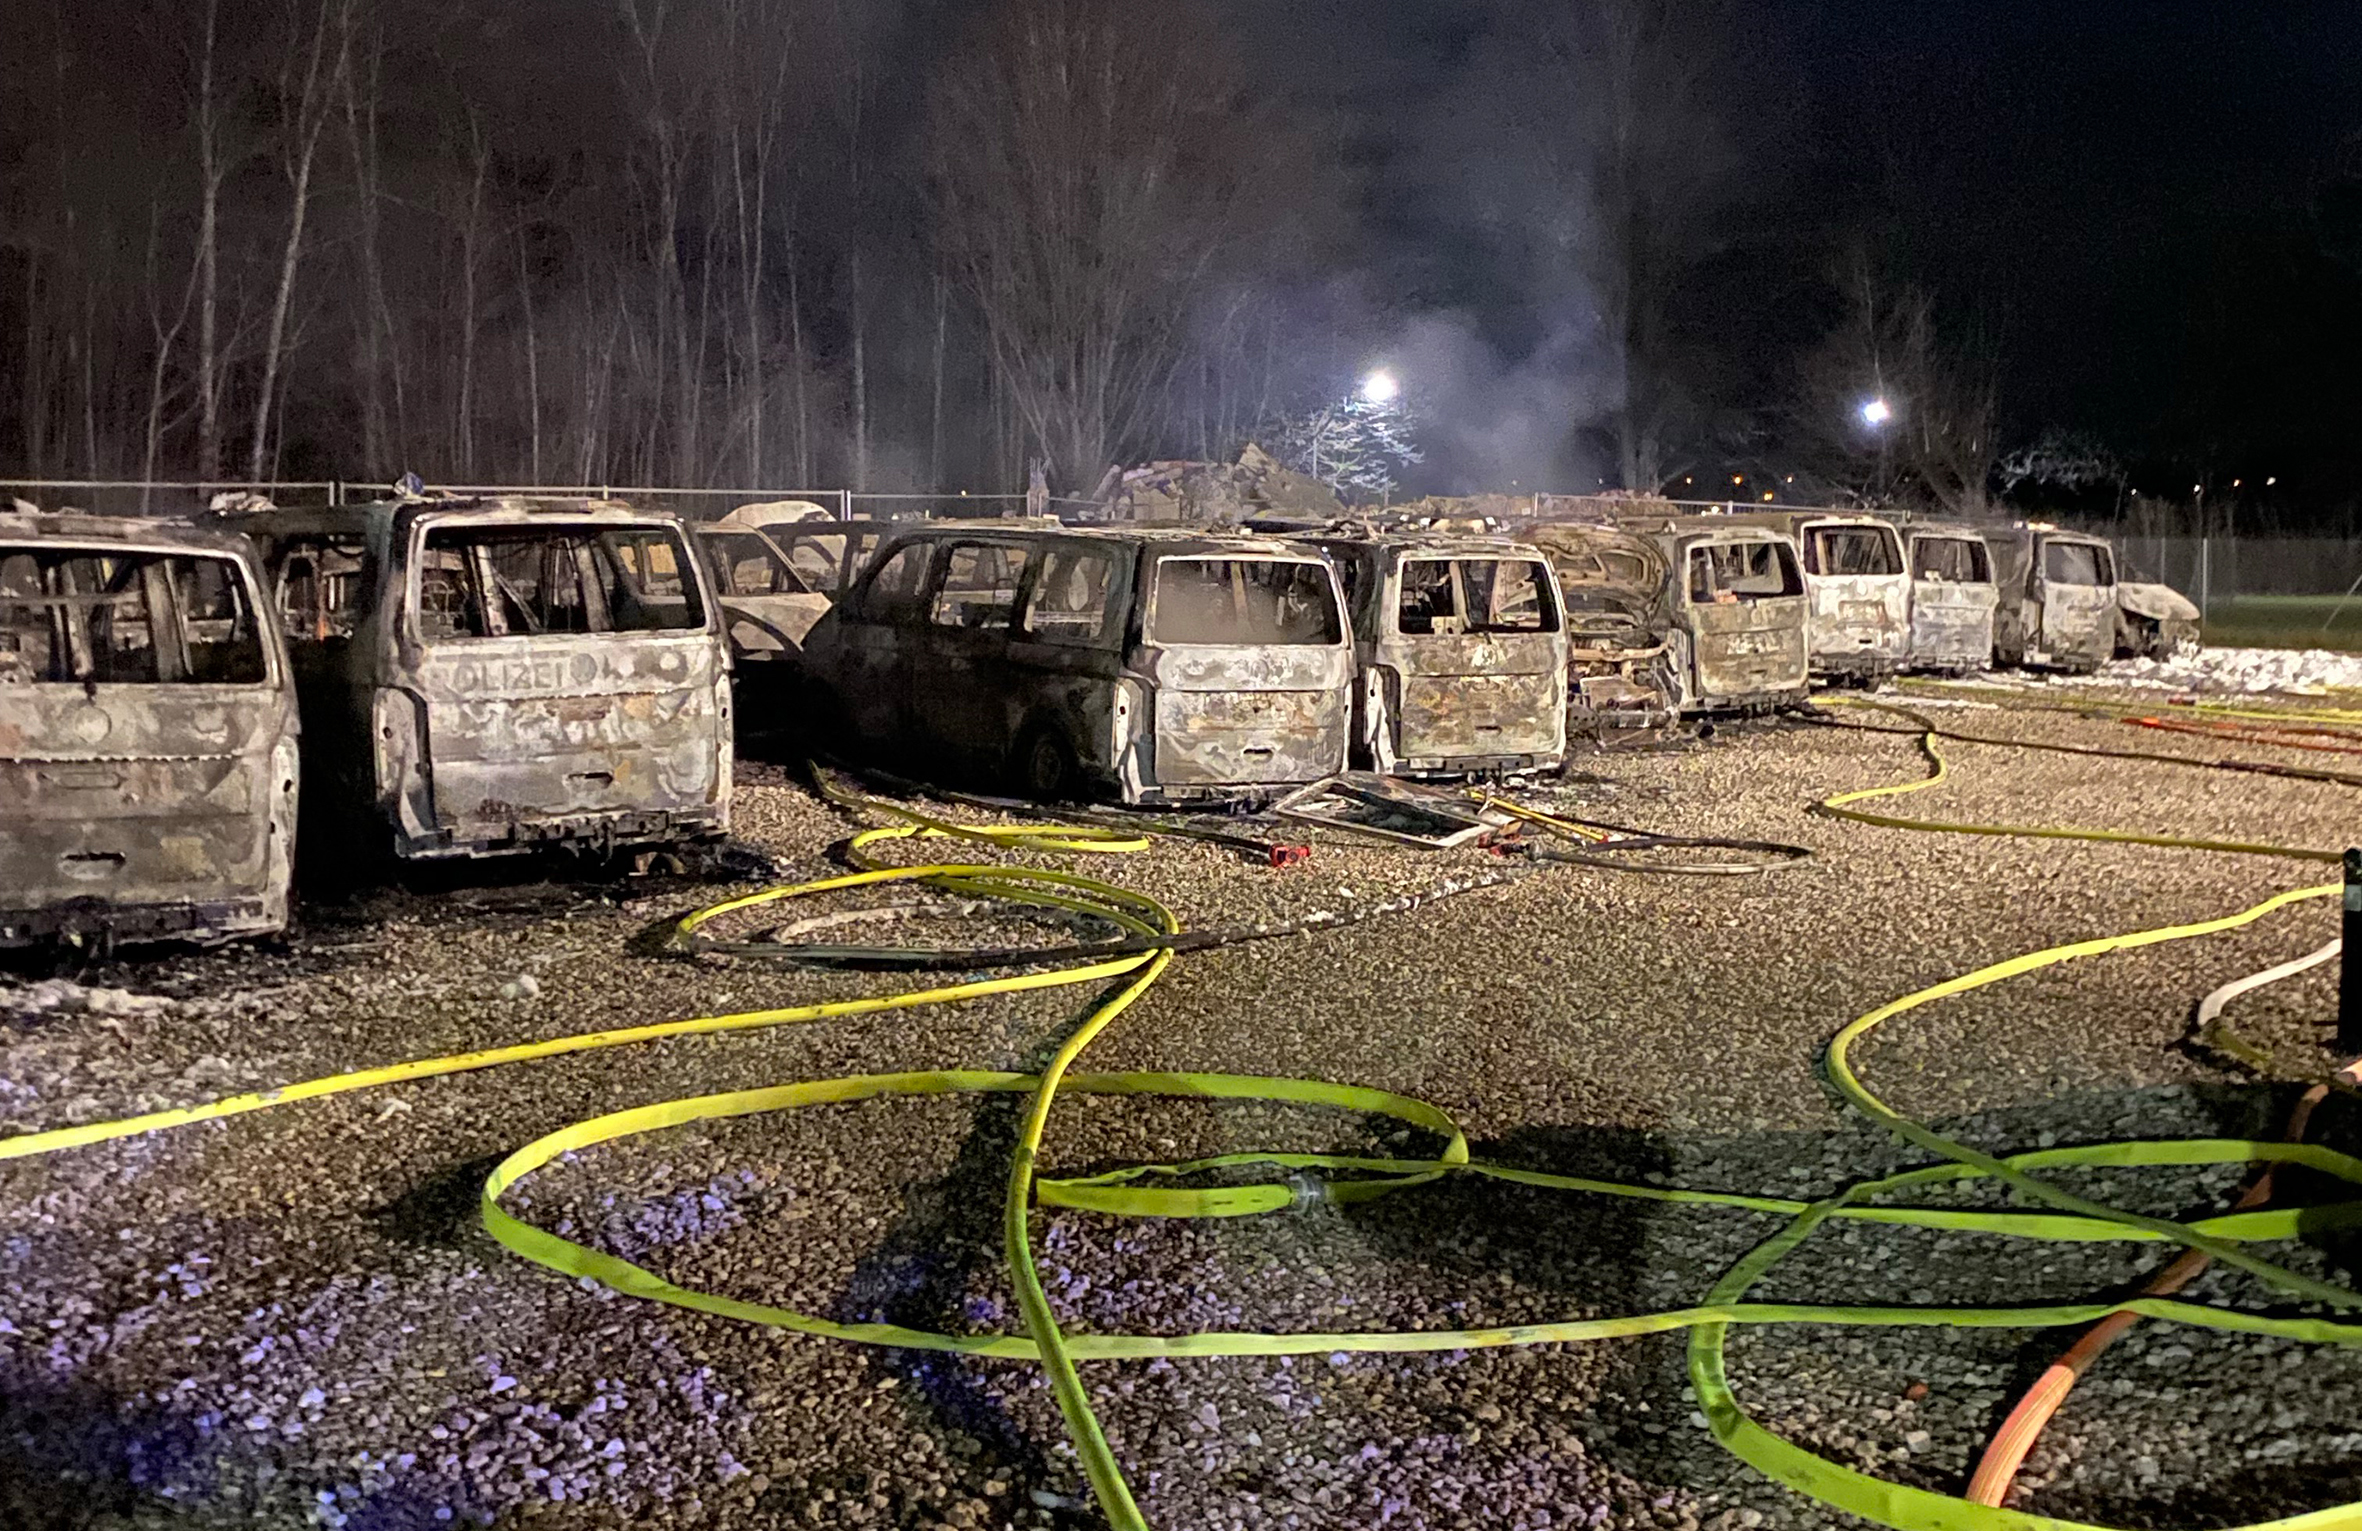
(1877, 412)
(1380, 387)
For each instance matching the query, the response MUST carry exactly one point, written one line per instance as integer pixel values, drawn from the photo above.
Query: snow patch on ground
(2250, 671)
(59, 996)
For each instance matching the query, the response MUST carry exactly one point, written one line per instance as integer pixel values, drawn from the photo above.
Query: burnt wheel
(1043, 765)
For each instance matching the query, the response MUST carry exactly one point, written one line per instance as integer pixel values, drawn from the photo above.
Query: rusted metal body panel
(1612, 585)
(1737, 608)
(1462, 649)
(2058, 598)
(1953, 598)
(1858, 622)
(485, 677)
(1153, 666)
(148, 759)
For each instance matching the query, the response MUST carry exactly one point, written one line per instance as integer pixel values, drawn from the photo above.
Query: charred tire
(1043, 765)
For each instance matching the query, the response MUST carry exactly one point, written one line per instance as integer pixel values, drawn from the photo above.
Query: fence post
(2205, 578)
(2349, 962)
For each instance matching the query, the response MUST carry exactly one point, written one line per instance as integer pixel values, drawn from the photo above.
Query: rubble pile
(1258, 484)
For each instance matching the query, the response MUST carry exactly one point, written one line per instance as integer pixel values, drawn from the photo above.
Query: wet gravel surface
(293, 1318)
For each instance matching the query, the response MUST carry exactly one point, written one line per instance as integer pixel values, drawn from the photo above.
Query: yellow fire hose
(2061, 1217)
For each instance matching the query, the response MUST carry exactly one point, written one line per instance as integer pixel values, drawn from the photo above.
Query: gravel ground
(293, 1319)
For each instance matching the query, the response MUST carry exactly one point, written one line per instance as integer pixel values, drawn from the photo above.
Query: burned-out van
(1858, 623)
(1461, 644)
(148, 766)
(1156, 665)
(2058, 598)
(1618, 611)
(488, 676)
(1737, 608)
(1952, 598)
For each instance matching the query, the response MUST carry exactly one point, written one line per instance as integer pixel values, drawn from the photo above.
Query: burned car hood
(2162, 603)
(1614, 583)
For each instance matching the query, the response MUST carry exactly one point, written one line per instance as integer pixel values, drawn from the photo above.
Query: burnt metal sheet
(1231, 737)
(1749, 651)
(1857, 622)
(1366, 803)
(1951, 625)
(1448, 717)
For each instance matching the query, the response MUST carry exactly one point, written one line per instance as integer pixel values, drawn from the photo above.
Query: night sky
(2140, 200)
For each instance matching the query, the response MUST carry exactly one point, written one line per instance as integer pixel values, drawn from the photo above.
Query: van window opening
(528, 581)
(1954, 560)
(80, 616)
(1723, 572)
(1850, 550)
(1475, 595)
(821, 559)
(1069, 602)
(979, 585)
(1244, 601)
(894, 589)
(324, 589)
(744, 564)
(2075, 563)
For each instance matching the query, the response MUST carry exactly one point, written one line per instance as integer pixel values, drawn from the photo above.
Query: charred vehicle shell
(1156, 665)
(1462, 653)
(2058, 598)
(489, 676)
(2153, 621)
(1952, 598)
(1737, 607)
(1858, 624)
(1613, 587)
(148, 765)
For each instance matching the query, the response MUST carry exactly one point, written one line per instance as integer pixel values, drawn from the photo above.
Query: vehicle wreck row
(472, 678)
(482, 677)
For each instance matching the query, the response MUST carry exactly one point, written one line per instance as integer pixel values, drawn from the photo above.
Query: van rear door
(2075, 585)
(1252, 667)
(1953, 599)
(1478, 664)
(572, 684)
(147, 752)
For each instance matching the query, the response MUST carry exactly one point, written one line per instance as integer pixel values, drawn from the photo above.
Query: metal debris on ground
(1365, 803)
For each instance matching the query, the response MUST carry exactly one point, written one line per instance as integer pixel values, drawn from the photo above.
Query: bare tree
(1892, 407)
(1586, 141)
(1084, 188)
(309, 107)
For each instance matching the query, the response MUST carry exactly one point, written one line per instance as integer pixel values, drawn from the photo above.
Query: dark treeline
(924, 244)
(640, 241)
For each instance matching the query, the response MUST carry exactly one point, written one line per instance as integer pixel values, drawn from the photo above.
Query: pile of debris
(1258, 484)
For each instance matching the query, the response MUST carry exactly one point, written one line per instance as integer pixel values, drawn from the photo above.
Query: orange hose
(2005, 1454)
(2349, 742)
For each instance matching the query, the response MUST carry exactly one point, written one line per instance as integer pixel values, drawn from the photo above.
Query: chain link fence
(2265, 591)
(2260, 591)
